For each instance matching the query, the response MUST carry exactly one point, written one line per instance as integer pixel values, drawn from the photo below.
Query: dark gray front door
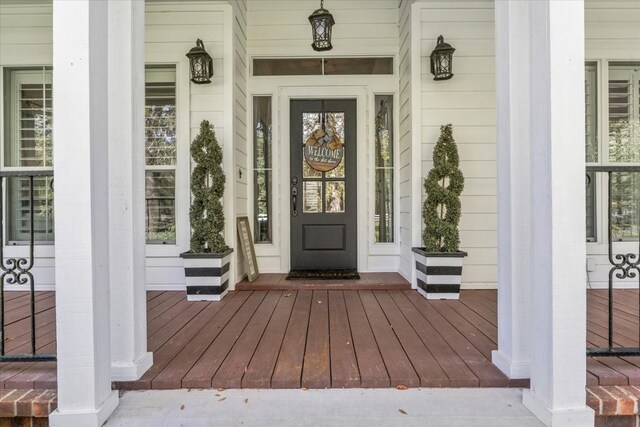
(323, 203)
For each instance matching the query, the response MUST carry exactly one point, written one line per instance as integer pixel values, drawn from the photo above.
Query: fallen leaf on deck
(246, 401)
(221, 399)
(220, 389)
(319, 302)
(182, 408)
(304, 389)
(217, 395)
(348, 342)
(288, 295)
(401, 387)
(402, 412)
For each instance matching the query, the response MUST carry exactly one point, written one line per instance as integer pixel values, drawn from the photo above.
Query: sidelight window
(262, 175)
(383, 219)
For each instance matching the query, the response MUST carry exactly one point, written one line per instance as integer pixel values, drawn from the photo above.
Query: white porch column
(558, 252)
(514, 188)
(129, 356)
(85, 398)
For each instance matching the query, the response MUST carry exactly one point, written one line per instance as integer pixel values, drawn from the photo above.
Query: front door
(322, 186)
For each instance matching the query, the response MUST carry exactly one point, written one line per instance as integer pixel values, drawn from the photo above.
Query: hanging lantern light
(200, 63)
(441, 60)
(321, 22)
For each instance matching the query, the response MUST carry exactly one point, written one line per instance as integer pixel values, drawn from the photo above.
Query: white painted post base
(91, 418)
(431, 295)
(514, 369)
(207, 297)
(133, 371)
(582, 416)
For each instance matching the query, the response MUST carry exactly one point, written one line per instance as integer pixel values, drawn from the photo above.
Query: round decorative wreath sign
(323, 150)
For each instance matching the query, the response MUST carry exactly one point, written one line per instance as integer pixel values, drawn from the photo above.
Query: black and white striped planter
(438, 274)
(206, 275)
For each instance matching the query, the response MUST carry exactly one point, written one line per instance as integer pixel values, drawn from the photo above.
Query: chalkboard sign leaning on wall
(246, 245)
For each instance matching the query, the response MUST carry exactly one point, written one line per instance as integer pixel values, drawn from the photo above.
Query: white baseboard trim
(579, 416)
(133, 371)
(518, 369)
(87, 418)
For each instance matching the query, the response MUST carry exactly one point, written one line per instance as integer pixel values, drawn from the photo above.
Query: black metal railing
(17, 270)
(623, 265)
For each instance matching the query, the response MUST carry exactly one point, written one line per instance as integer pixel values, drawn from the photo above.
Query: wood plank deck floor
(319, 339)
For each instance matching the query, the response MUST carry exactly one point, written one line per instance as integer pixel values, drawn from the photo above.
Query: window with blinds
(160, 154)
(624, 147)
(619, 126)
(28, 145)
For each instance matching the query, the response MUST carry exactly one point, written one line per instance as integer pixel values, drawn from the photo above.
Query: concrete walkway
(334, 407)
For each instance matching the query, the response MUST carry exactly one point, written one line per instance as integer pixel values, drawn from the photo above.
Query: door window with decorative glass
(28, 146)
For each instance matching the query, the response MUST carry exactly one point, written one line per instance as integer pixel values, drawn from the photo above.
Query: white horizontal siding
(240, 174)
(468, 102)
(281, 28)
(405, 140)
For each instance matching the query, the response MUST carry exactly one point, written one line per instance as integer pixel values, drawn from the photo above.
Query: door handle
(294, 199)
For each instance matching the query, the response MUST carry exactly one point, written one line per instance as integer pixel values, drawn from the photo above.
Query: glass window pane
(308, 171)
(310, 123)
(262, 148)
(384, 174)
(287, 66)
(384, 206)
(591, 113)
(338, 172)
(160, 116)
(625, 206)
(19, 209)
(160, 206)
(624, 103)
(312, 196)
(263, 220)
(344, 66)
(334, 193)
(28, 118)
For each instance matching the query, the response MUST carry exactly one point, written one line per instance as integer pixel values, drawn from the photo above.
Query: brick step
(614, 406)
(22, 407)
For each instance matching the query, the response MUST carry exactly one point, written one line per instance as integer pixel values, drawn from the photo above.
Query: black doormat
(324, 274)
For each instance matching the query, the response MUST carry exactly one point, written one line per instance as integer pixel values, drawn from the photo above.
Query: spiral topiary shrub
(444, 184)
(207, 187)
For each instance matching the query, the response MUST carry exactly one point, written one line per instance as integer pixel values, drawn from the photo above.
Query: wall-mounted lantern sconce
(321, 22)
(200, 63)
(441, 60)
